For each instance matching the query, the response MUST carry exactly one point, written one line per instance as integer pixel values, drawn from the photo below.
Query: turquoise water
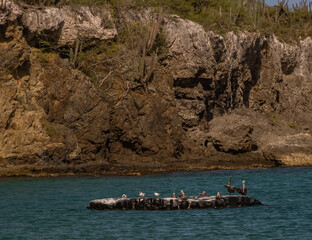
(55, 208)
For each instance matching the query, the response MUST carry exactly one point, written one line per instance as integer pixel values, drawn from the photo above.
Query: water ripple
(55, 208)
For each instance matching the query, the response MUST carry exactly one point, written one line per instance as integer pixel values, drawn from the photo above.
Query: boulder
(69, 23)
(9, 11)
(232, 133)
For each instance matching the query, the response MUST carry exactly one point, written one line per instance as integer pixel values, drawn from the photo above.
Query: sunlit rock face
(232, 101)
(67, 24)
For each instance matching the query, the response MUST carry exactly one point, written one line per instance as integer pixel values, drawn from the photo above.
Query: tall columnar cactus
(148, 43)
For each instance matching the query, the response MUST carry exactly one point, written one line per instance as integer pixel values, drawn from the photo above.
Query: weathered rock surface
(234, 101)
(9, 11)
(173, 203)
(232, 134)
(290, 150)
(67, 24)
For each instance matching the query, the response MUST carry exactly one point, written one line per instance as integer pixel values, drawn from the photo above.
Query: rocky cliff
(236, 101)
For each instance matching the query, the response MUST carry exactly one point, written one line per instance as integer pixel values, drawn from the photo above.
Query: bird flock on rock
(231, 189)
(173, 195)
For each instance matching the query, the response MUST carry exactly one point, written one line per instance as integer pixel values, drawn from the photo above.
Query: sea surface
(55, 208)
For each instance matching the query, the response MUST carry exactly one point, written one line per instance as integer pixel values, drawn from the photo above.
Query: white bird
(173, 195)
(182, 194)
(242, 190)
(156, 194)
(124, 196)
(142, 194)
(202, 194)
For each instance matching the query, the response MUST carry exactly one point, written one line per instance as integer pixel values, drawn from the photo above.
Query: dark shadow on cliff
(254, 62)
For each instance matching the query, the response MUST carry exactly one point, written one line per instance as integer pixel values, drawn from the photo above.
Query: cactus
(147, 45)
(77, 44)
(71, 56)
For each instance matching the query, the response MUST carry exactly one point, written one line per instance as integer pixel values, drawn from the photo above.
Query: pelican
(142, 194)
(173, 195)
(202, 194)
(229, 187)
(242, 190)
(218, 195)
(182, 194)
(124, 196)
(156, 194)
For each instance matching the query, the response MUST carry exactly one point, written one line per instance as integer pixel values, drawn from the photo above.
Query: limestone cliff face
(251, 93)
(234, 101)
(68, 23)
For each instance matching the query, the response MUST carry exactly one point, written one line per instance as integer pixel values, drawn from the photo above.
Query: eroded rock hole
(193, 82)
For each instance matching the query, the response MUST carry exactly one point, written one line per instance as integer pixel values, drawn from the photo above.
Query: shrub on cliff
(224, 15)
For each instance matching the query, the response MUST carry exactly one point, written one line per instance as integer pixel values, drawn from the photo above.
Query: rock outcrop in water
(173, 203)
(235, 101)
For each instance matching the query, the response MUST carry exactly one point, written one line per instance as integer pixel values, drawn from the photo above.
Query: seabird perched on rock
(173, 195)
(141, 194)
(182, 194)
(242, 190)
(202, 194)
(230, 188)
(156, 194)
(218, 195)
(124, 196)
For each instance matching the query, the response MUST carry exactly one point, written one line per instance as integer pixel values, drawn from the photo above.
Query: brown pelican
(182, 194)
(203, 194)
(242, 190)
(156, 194)
(142, 194)
(218, 195)
(124, 196)
(173, 195)
(229, 187)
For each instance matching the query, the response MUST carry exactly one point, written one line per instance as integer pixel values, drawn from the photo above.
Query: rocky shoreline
(208, 101)
(100, 170)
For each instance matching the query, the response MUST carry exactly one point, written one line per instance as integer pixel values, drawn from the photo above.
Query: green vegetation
(148, 48)
(49, 45)
(288, 23)
(274, 119)
(63, 2)
(52, 130)
(294, 124)
(143, 43)
(43, 57)
(97, 59)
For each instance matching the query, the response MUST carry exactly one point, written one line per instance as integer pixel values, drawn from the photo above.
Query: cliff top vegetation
(290, 23)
